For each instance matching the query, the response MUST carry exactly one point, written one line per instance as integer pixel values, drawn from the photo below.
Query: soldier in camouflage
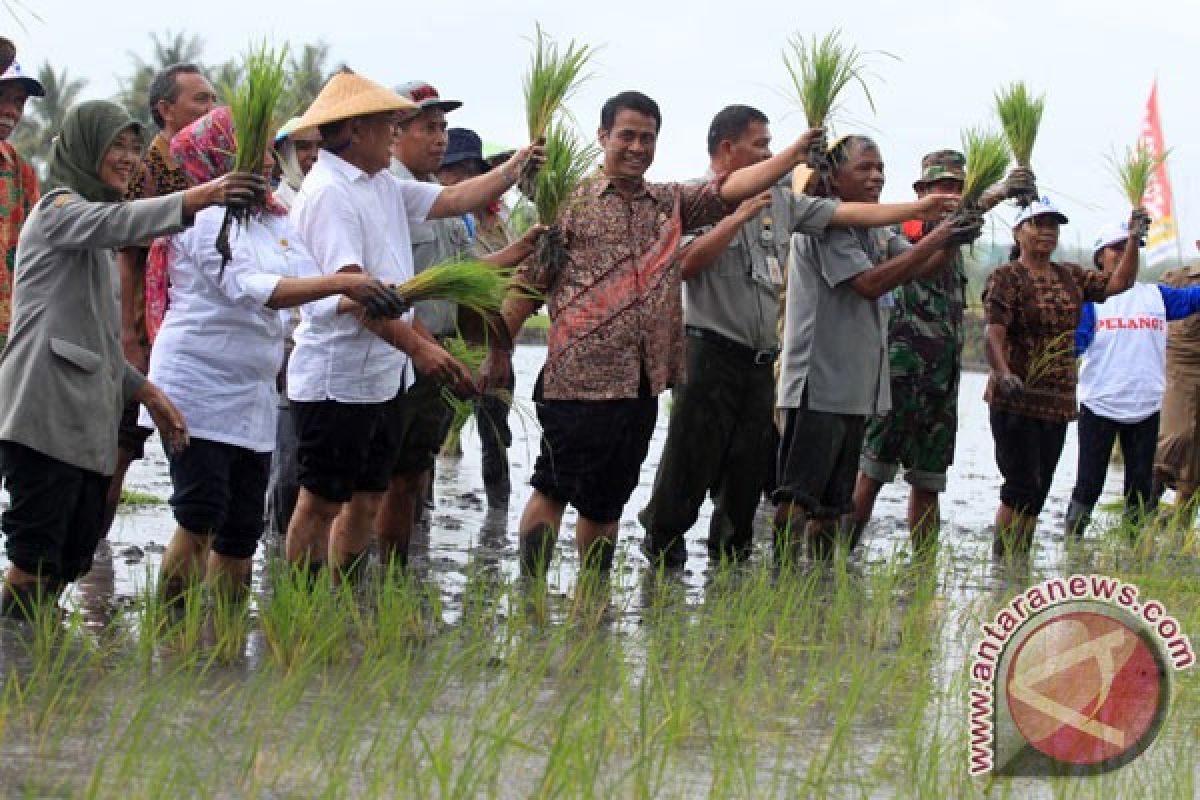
(925, 336)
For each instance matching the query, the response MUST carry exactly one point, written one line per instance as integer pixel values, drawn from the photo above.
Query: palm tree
(170, 48)
(44, 115)
(307, 75)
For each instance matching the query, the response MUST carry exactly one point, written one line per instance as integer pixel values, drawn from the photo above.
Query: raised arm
(703, 251)
(1125, 274)
(749, 181)
(469, 195)
(875, 215)
(924, 258)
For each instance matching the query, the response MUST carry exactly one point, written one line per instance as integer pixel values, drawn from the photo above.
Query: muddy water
(463, 529)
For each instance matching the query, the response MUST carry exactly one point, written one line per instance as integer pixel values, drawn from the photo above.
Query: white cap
(1112, 235)
(1040, 208)
(14, 74)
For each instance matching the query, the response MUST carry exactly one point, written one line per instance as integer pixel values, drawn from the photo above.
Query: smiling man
(616, 337)
(18, 182)
(834, 363)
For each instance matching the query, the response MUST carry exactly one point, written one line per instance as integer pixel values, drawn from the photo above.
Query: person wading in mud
(834, 363)
(925, 342)
(616, 334)
(722, 417)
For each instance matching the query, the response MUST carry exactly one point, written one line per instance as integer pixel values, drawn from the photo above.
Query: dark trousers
(1138, 443)
(284, 487)
(1027, 453)
(718, 440)
(491, 417)
(55, 515)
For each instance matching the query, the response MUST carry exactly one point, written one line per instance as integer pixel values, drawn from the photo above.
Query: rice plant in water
(987, 161)
(252, 105)
(1134, 170)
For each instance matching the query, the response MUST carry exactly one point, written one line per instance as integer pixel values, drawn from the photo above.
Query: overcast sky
(1095, 61)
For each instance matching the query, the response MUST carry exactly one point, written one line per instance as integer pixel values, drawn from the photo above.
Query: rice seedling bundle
(252, 106)
(1133, 171)
(987, 161)
(475, 285)
(820, 70)
(554, 75)
(569, 159)
(1020, 115)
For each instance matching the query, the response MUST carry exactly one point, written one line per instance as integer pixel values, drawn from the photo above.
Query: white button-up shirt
(350, 218)
(220, 347)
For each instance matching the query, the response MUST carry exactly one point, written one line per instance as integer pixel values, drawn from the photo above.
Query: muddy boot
(789, 532)
(536, 549)
(1079, 516)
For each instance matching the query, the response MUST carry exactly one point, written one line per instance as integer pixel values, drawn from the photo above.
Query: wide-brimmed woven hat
(349, 95)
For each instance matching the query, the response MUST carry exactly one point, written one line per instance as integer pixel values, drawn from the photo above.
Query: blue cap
(463, 144)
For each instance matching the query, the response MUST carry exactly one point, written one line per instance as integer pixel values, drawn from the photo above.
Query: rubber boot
(1079, 516)
(536, 549)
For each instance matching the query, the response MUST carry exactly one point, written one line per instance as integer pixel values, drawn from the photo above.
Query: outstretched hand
(378, 299)
(1139, 224)
(964, 226)
(1010, 386)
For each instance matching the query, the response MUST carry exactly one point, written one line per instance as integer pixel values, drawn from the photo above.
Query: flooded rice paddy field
(458, 680)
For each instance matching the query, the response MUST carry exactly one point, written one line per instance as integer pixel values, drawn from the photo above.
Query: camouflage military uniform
(925, 336)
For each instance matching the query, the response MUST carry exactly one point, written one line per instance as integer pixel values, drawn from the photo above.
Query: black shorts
(818, 460)
(132, 437)
(220, 491)
(1027, 453)
(592, 451)
(55, 515)
(343, 448)
(419, 420)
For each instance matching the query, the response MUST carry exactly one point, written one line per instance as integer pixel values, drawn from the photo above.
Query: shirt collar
(340, 166)
(401, 171)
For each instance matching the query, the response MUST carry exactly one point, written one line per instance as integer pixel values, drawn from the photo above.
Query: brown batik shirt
(616, 307)
(155, 176)
(1040, 311)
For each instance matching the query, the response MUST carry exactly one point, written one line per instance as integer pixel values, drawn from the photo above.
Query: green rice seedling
(554, 75)
(252, 105)
(1020, 115)
(820, 71)
(1051, 357)
(569, 160)
(1134, 170)
(987, 162)
(475, 285)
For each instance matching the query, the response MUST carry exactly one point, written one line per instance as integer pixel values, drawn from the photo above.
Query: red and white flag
(1162, 242)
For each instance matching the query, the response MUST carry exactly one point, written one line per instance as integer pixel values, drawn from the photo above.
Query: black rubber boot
(536, 549)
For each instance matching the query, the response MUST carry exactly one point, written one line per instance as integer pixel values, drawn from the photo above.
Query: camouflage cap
(941, 165)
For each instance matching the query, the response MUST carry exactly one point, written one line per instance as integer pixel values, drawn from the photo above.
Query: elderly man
(720, 435)
(178, 96)
(925, 341)
(616, 337)
(18, 182)
(343, 382)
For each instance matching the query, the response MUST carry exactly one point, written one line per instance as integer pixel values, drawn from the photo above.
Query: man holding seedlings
(421, 418)
(925, 341)
(178, 96)
(720, 434)
(834, 363)
(355, 216)
(616, 337)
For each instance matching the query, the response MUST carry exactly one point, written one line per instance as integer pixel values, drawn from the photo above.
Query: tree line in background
(308, 70)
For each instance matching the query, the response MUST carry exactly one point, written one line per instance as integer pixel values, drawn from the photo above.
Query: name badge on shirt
(774, 270)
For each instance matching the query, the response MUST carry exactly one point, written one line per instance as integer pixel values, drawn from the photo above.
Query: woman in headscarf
(217, 355)
(296, 151)
(63, 378)
(1032, 306)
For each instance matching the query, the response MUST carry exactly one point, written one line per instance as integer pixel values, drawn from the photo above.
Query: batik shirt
(616, 307)
(18, 195)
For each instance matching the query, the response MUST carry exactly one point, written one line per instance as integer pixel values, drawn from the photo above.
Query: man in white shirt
(355, 216)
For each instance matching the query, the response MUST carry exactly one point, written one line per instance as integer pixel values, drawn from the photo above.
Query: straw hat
(349, 95)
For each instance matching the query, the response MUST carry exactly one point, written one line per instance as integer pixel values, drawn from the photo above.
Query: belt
(756, 357)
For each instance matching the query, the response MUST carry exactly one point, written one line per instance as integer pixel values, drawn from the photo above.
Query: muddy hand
(172, 428)
(965, 226)
(376, 297)
(750, 207)
(432, 360)
(934, 207)
(1021, 182)
(1010, 386)
(241, 189)
(495, 370)
(1139, 224)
